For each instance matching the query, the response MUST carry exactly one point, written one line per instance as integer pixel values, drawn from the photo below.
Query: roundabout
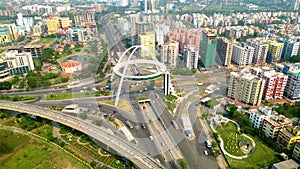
(161, 68)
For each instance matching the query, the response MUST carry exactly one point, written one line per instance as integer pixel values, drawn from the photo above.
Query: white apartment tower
(191, 56)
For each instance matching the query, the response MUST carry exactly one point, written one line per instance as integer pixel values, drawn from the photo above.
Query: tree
(182, 163)
(5, 85)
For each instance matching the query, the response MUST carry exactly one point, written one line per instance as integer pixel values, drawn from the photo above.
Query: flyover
(124, 148)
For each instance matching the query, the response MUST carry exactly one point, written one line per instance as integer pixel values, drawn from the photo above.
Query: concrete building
(293, 86)
(134, 18)
(76, 34)
(147, 40)
(246, 87)
(35, 50)
(13, 31)
(160, 31)
(271, 125)
(224, 51)
(295, 5)
(274, 51)
(142, 27)
(4, 35)
(242, 56)
(296, 151)
(170, 53)
(39, 29)
(18, 62)
(71, 66)
(260, 50)
(191, 57)
(52, 25)
(288, 137)
(25, 21)
(275, 82)
(185, 37)
(83, 18)
(291, 48)
(288, 164)
(167, 83)
(257, 116)
(64, 23)
(87, 20)
(208, 48)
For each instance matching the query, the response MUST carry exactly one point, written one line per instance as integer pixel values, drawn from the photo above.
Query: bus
(173, 122)
(129, 124)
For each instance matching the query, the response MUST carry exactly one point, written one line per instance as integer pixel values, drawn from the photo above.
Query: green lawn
(171, 97)
(170, 106)
(44, 41)
(261, 157)
(46, 132)
(27, 152)
(231, 138)
(17, 98)
(212, 103)
(63, 96)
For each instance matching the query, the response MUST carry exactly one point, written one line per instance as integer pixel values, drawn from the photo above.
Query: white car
(151, 138)
(206, 152)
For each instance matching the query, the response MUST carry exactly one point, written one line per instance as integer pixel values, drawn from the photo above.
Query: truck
(129, 124)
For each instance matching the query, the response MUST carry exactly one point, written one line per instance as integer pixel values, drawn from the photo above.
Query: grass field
(43, 41)
(27, 152)
(231, 138)
(261, 157)
(17, 98)
(63, 96)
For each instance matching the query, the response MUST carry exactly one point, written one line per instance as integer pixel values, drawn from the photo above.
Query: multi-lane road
(125, 148)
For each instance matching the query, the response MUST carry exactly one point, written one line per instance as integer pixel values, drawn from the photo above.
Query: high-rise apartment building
(64, 23)
(147, 40)
(291, 48)
(185, 37)
(292, 89)
(272, 124)
(52, 25)
(274, 51)
(208, 48)
(242, 56)
(260, 50)
(246, 87)
(288, 136)
(191, 56)
(87, 20)
(275, 82)
(170, 53)
(224, 51)
(4, 35)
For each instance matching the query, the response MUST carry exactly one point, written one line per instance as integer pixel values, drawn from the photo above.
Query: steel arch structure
(120, 64)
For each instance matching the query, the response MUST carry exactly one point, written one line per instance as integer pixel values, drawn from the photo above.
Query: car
(206, 152)
(143, 126)
(141, 91)
(151, 138)
(144, 107)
